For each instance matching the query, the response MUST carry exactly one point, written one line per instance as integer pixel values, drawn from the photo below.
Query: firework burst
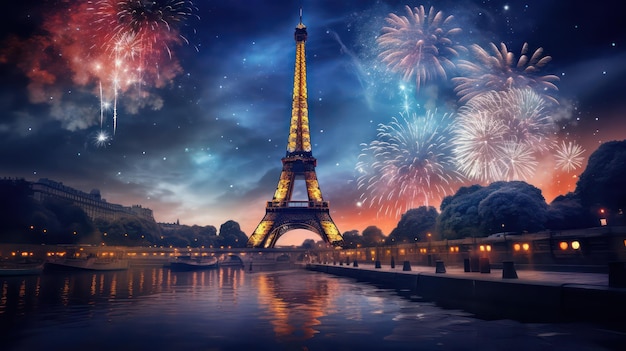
(499, 134)
(101, 139)
(419, 44)
(409, 164)
(569, 156)
(132, 42)
(518, 161)
(478, 142)
(499, 71)
(141, 28)
(525, 114)
(117, 49)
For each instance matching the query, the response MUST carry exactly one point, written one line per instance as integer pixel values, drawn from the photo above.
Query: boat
(186, 263)
(26, 267)
(90, 262)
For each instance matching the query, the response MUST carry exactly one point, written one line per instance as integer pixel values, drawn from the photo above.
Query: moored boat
(20, 267)
(192, 264)
(92, 262)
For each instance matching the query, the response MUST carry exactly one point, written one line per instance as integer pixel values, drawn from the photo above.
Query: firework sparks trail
(106, 46)
(518, 160)
(101, 107)
(409, 164)
(499, 134)
(569, 156)
(499, 71)
(420, 44)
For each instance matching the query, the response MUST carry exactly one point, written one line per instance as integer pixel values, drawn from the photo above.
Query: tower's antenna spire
(300, 14)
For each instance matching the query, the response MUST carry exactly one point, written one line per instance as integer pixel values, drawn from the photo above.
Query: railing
(297, 204)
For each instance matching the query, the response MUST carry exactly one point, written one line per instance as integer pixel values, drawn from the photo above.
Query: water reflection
(234, 309)
(293, 306)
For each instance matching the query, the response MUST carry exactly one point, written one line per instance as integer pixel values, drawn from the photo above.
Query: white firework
(499, 70)
(498, 135)
(101, 139)
(409, 164)
(569, 156)
(478, 144)
(526, 116)
(518, 160)
(420, 44)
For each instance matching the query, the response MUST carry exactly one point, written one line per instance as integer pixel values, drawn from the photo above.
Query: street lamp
(603, 221)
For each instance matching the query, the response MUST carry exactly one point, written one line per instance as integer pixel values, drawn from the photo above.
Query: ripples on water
(153, 308)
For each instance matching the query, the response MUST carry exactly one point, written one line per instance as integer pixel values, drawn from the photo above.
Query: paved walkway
(598, 280)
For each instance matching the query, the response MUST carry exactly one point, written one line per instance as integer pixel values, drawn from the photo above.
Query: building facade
(92, 203)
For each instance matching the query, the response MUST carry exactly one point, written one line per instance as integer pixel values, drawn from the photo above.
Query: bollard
(341, 263)
(617, 275)
(406, 266)
(508, 270)
(475, 264)
(377, 264)
(393, 262)
(440, 267)
(250, 269)
(347, 260)
(334, 263)
(485, 267)
(355, 264)
(466, 265)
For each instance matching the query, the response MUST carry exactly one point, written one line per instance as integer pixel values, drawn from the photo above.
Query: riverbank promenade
(534, 296)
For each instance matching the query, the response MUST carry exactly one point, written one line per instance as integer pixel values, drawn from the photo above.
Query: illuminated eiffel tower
(282, 214)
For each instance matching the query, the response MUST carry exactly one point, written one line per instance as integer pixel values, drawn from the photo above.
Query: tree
(70, 224)
(517, 208)
(308, 244)
(352, 239)
(566, 212)
(130, 230)
(372, 236)
(459, 213)
(17, 208)
(502, 206)
(204, 236)
(601, 185)
(414, 225)
(231, 235)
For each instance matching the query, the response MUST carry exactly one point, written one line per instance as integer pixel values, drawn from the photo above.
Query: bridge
(144, 255)
(590, 249)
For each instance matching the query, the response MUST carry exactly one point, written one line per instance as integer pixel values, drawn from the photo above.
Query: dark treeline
(58, 221)
(473, 211)
(518, 207)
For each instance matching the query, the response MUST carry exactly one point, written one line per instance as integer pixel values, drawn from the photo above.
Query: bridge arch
(281, 230)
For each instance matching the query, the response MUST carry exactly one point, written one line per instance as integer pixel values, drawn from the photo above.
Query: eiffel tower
(282, 214)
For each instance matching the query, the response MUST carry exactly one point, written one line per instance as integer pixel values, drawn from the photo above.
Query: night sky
(200, 131)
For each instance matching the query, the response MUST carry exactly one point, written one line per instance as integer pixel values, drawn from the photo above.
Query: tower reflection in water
(293, 304)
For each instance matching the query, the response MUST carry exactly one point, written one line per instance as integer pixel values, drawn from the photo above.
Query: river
(154, 308)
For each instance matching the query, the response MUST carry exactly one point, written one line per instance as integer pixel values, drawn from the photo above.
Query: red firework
(117, 43)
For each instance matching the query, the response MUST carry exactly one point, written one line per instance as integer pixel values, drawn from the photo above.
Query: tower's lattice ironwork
(282, 214)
